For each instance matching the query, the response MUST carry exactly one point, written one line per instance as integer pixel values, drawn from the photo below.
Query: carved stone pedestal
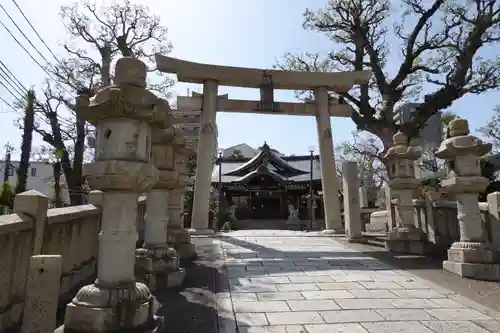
(473, 260)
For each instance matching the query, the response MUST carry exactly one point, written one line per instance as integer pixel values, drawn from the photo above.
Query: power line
(13, 76)
(36, 32)
(8, 104)
(33, 58)
(19, 100)
(24, 48)
(24, 35)
(11, 81)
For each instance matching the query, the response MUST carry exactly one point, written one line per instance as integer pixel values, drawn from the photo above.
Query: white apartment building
(40, 178)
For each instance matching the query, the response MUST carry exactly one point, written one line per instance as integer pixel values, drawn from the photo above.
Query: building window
(11, 170)
(33, 172)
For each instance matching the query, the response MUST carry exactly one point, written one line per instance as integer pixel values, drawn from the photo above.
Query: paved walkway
(291, 282)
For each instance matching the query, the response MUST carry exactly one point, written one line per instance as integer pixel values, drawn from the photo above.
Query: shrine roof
(301, 163)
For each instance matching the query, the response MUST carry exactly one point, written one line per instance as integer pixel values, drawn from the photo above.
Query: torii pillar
(204, 159)
(329, 180)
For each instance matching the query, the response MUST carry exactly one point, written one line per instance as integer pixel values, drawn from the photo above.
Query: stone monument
(164, 271)
(472, 256)
(123, 115)
(405, 237)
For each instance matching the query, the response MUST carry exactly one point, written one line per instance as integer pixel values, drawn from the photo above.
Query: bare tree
(440, 42)
(366, 150)
(492, 130)
(97, 36)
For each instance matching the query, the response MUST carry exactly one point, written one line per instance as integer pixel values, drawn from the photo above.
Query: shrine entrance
(266, 205)
(209, 103)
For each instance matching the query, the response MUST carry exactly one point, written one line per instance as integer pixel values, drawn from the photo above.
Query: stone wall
(32, 229)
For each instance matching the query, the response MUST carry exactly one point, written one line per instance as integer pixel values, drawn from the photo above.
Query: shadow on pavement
(249, 260)
(193, 308)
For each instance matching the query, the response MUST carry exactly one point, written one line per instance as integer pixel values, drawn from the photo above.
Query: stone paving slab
(286, 282)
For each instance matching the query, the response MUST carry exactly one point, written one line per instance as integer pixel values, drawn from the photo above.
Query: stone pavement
(291, 282)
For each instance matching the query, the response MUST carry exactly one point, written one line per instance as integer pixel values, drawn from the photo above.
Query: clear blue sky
(241, 33)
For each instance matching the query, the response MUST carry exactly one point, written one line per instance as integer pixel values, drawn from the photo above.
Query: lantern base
(487, 272)
(473, 260)
(159, 268)
(112, 309)
(407, 240)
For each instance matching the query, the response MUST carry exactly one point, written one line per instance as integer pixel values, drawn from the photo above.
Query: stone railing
(33, 229)
(438, 220)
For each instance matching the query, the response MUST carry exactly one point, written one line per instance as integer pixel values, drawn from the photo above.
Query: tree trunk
(56, 168)
(29, 122)
(75, 178)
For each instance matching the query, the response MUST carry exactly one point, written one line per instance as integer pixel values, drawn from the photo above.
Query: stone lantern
(123, 114)
(472, 256)
(163, 268)
(400, 158)
(177, 234)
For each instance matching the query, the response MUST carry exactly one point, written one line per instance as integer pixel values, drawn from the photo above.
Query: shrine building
(261, 187)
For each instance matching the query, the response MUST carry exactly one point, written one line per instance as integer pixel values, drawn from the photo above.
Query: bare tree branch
(440, 42)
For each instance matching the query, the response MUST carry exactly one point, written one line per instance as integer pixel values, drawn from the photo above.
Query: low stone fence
(438, 220)
(33, 229)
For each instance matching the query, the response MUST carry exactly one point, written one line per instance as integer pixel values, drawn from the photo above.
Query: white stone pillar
(352, 210)
(117, 239)
(329, 180)
(175, 208)
(179, 237)
(363, 197)
(204, 161)
(156, 220)
(493, 209)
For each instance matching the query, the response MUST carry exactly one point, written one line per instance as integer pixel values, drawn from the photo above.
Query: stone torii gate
(213, 76)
